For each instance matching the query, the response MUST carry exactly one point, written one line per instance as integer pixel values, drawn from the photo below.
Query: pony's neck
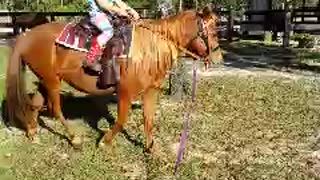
(179, 28)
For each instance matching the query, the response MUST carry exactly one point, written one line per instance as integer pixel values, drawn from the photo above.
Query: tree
(44, 5)
(295, 3)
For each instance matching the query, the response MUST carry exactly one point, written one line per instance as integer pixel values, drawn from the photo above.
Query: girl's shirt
(94, 7)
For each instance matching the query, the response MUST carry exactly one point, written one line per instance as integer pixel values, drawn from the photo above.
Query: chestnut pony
(154, 48)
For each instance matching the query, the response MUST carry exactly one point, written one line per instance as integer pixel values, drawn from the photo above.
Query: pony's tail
(17, 99)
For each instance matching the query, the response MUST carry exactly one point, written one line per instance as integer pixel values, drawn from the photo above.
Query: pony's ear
(199, 13)
(205, 12)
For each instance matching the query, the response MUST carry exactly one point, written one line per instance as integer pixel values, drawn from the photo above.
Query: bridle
(203, 33)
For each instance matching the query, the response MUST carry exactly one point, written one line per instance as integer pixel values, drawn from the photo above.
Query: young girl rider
(99, 11)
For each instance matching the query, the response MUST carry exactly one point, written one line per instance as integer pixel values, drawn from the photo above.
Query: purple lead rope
(194, 82)
(186, 122)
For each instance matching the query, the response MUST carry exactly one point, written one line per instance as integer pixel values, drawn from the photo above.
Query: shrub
(305, 40)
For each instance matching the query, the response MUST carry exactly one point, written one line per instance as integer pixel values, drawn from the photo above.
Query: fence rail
(309, 17)
(19, 20)
(271, 19)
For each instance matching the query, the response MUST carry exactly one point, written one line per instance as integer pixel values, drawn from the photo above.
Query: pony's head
(156, 40)
(204, 41)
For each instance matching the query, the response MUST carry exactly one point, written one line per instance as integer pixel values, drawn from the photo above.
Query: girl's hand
(134, 14)
(123, 13)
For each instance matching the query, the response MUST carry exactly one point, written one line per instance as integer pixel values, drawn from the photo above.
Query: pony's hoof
(106, 147)
(103, 144)
(106, 141)
(31, 134)
(35, 140)
(150, 148)
(76, 142)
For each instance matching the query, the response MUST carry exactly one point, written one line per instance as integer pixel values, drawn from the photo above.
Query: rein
(187, 118)
(195, 56)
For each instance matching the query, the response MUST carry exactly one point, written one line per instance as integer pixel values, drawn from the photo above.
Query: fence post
(144, 13)
(303, 9)
(52, 17)
(230, 25)
(318, 13)
(287, 25)
(14, 23)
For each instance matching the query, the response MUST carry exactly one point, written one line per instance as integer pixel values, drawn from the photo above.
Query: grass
(309, 57)
(255, 54)
(3, 65)
(273, 51)
(241, 128)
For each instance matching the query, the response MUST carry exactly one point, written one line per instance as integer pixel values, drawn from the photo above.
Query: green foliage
(141, 3)
(305, 40)
(45, 5)
(4, 52)
(80, 5)
(295, 3)
(268, 37)
(233, 4)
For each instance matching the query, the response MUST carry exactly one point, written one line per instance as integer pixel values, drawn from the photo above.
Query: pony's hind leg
(36, 105)
(55, 108)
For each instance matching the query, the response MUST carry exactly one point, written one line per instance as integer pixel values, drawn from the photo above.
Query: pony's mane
(172, 26)
(154, 43)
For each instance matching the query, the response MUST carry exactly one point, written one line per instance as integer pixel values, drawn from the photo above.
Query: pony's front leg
(149, 98)
(123, 113)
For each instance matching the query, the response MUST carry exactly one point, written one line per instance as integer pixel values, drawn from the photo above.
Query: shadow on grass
(259, 55)
(91, 109)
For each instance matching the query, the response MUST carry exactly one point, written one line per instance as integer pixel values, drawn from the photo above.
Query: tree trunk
(179, 81)
(287, 25)
(197, 4)
(180, 5)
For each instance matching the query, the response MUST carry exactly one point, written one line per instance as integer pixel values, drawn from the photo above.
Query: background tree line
(81, 5)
